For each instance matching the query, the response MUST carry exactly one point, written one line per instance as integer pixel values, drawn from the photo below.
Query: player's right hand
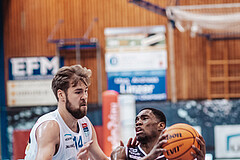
(132, 143)
(119, 152)
(158, 149)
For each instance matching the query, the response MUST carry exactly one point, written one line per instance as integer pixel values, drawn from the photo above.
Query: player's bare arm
(48, 139)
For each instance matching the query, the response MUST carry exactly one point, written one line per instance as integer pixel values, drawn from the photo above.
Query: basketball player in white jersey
(149, 125)
(66, 133)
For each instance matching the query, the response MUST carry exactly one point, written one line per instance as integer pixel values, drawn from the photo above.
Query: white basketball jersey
(70, 142)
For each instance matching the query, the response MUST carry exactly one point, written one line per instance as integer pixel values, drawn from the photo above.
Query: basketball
(180, 139)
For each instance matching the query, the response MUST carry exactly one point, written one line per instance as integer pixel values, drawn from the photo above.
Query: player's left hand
(83, 152)
(200, 154)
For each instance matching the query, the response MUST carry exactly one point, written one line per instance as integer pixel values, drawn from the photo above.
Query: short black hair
(159, 114)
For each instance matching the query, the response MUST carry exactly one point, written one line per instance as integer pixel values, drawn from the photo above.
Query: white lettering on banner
(113, 125)
(145, 80)
(31, 65)
(121, 80)
(48, 65)
(18, 66)
(136, 89)
(152, 97)
(26, 66)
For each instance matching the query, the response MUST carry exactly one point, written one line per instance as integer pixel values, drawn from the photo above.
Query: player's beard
(76, 113)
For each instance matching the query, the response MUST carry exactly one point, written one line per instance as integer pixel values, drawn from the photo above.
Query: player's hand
(119, 152)
(200, 154)
(157, 149)
(83, 152)
(132, 143)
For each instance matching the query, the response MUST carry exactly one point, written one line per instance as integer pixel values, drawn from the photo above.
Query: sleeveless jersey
(70, 142)
(137, 153)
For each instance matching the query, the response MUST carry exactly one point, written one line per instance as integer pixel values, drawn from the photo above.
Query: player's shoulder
(48, 133)
(48, 116)
(49, 127)
(50, 124)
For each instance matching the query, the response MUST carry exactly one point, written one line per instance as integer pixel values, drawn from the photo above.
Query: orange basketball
(180, 139)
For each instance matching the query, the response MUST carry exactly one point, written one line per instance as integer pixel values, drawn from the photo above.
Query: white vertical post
(127, 107)
(99, 73)
(172, 62)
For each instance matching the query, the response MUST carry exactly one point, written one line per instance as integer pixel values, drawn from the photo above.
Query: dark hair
(158, 114)
(70, 75)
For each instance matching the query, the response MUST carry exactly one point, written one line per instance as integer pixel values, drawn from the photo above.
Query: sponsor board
(227, 141)
(142, 74)
(34, 68)
(136, 61)
(30, 93)
(147, 85)
(30, 79)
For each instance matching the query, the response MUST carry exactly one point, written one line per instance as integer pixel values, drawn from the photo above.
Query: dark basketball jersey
(137, 153)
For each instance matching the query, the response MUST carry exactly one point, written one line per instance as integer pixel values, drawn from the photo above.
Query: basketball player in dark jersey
(149, 125)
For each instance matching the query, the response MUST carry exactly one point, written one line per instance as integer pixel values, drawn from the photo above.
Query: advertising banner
(30, 93)
(227, 141)
(136, 61)
(30, 79)
(34, 68)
